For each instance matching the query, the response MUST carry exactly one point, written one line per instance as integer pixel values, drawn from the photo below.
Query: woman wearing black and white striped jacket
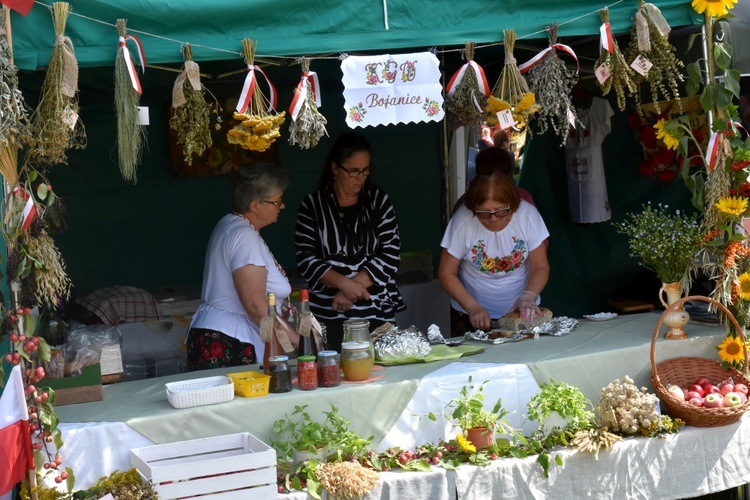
(347, 243)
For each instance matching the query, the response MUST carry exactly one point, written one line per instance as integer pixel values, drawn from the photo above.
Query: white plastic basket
(200, 392)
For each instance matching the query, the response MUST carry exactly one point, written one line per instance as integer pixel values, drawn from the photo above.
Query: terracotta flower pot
(481, 437)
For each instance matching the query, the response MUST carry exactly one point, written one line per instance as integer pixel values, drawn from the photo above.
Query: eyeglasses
(355, 172)
(500, 213)
(277, 204)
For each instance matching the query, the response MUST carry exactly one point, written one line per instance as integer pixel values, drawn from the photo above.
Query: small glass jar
(356, 330)
(356, 360)
(307, 373)
(329, 371)
(281, 376)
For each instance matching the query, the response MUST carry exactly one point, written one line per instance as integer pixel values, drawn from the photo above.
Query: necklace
(246, 219)
(345, 198)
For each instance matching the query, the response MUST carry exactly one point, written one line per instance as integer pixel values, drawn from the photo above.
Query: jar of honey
(356, 360)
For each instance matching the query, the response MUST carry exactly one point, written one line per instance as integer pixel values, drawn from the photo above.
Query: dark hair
(491, 159)
(345, 146)
(255, 183)
(500, 137)
(497, 187)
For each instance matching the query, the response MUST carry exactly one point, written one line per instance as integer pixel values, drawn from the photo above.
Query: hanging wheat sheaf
(131, 135)
(649, 41)
(308, 124)
(621, 74)
(56, 125)
(191, 114)
(259, 123)
(466, 99)
(511, 90)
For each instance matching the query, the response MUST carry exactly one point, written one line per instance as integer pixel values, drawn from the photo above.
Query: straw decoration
(56, 125)
(308, 124)
(191, 114)
(552, 84)
(466, 99)
(131, 136)
(649, 41)
(259, 123)
(621, 74)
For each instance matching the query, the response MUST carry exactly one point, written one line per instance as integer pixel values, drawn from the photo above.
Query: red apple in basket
(702, 381)
(742, 397)
(713, 400)
(676, 392)
(727, 388)
(693, 395)
(709, 389)
(741, 388)
(732, 399)
(695, 402)
(697, 388)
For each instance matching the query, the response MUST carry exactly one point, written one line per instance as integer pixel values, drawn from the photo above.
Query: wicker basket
(684, 371)
(200, 392)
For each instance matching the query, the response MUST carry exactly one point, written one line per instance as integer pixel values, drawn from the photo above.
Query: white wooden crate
(234, 466)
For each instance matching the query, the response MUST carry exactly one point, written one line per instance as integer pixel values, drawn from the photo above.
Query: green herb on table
(565, 400)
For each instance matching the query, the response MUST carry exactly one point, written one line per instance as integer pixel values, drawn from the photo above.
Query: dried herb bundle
(52, 284)
(131, 136)
(465, 103)
(191, 114)
(621, 74)
(259, 124)
(649, 40)
(552, 83)
(15, 124)
(309, 125)
(56, 125)
(594, 440)
(346, 479)
(511, 90)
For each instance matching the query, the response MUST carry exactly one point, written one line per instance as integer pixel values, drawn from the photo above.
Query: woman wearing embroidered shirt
(493, 261)
(347, 243)
(238, 272)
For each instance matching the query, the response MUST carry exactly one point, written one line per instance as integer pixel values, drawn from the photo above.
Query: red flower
(666, 175)
(744, 189)
(502, 264)
(217, 350)
(248, 352)
(648, 137)
(647, 169)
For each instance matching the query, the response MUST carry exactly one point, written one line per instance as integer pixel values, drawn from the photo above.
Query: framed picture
(222, 158)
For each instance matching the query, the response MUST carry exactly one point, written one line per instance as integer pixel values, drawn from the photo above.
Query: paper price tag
(70, 117)
(505, 119)
(603, 73)
(641, 65)
(143, 118)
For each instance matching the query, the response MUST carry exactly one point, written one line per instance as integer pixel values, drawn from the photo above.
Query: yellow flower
(745, 286)
(731, 350)
(465, 444)
(488, 263)
(732, 205)
(667, 137)
(714, 8)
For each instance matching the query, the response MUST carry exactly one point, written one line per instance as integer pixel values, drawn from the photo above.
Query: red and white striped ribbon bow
(458, 76)
(249, 88)
(129, 60)
(308, 82)
(538, 58)
(712, 150)
(607, 40)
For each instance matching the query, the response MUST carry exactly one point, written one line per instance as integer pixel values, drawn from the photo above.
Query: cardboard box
(233, 466)
(82, 388)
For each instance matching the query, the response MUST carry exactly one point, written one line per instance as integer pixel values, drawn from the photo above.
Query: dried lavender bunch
(621, 74)
(552, 83)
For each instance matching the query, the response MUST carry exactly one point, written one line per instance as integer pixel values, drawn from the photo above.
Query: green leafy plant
(467, 411)
(568, 401)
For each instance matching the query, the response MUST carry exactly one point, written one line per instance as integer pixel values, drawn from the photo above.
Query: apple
(732, 399)
(726, 389)
(742, 397)
(713, 400)
(697, 388)
(693, 395)
(675, 391)
(708, 389)
(695, 402)
(741, 388)
(702, 381)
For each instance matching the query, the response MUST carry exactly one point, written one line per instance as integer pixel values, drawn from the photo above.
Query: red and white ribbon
(458, 76)
(129, 60)
(523, 68)
(29, 212)
(607, 40)
(249, 88)
(308, 82)
(712, 150)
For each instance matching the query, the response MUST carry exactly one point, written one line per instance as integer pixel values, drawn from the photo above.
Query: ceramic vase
(676, 319)
(481, 437)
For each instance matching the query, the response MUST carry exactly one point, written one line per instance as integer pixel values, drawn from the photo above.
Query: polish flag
(16, 456)
(21, 6)
(29, 212)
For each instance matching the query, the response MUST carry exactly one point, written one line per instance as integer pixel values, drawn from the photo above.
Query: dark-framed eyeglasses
(356, 172)
(500, 213)
(277, 204)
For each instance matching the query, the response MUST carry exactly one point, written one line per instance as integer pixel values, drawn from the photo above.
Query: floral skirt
(211, 349)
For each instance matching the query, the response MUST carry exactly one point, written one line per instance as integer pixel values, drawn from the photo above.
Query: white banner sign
(385, 89)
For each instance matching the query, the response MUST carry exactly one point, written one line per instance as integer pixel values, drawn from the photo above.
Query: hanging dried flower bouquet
(466, 93)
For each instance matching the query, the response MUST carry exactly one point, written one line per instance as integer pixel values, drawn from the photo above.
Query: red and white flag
(16, 456)
(29, 212)
(21, 6)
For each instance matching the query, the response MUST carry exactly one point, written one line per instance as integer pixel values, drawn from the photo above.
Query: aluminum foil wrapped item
(482, 336)
(434, 335)
(556, 327)
(401, 345)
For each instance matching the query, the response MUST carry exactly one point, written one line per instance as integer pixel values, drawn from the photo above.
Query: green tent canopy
(216, 28)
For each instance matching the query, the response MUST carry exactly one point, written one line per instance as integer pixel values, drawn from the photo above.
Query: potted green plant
(467, 412)
(557, 404)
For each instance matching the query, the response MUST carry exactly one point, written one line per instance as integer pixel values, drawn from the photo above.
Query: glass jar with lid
(356, 330)
(356, 360)
(329, 370)
(307, 373)
(281, 376)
